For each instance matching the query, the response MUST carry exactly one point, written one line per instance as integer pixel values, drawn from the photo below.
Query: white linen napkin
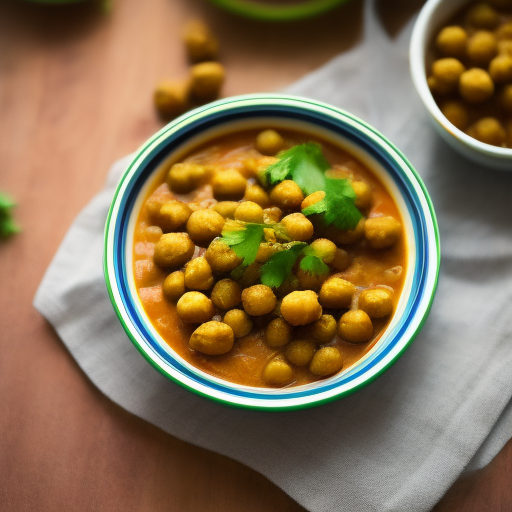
(398, 444)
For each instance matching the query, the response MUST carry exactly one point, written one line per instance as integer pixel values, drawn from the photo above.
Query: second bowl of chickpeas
(271, 252)
(461, 65)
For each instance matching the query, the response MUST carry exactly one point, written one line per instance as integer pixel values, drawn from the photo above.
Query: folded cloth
(398, 444)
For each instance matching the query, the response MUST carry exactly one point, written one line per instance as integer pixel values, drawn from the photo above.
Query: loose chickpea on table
(219, 232)
(471, 73)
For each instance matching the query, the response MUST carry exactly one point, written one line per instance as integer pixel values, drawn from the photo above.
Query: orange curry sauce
(244, 364)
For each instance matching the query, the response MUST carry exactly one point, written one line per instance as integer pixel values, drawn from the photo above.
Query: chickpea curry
(470, 73)
(269, 258)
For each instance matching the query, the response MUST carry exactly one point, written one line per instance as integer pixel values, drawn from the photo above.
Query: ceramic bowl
(434, 14)
(327, 122)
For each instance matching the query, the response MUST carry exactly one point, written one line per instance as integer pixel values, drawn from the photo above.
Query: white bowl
(434, 14)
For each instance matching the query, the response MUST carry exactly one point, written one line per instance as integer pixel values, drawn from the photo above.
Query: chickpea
(153, 205)
(298, 227)
(350, 236)
(226, 294)
(272, 215)
(355, 326)
(269, 142)
(504, 31)
(326, 361)
(476, 85)
(287, 195)
(382, 232)
(206, 81)
(500, 69)
(301, 307)
(364, 194)
(249, 212)
(448, 71)
(278, 333)
(174, 285)
(199, 42)
(239, 321)
(185, 177)
(336, 293)
(324, 329)
(341, 260)
(278, 373)
(221, 257)
(171, 97)
(489, 131)
(173, 250)
(258, 300)
(198, 274)
(194, 308)
(452, 41)
(505, 47)
(376, 303)
(205, 225)
(312, 199)
(227, 208)
(267, 250)
(506, 98)
(300, 352)
(325, 249)
(212, 338)
(250, 275)
(437, 87)
(309, 281)
(173, 215)
(482, 47)
(257, 195)
(482, 16)
(456, 112)
(228, 184)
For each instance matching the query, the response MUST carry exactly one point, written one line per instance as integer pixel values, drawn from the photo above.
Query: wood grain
(75, 94)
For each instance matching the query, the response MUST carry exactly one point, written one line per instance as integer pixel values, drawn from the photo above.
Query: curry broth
(244, 364)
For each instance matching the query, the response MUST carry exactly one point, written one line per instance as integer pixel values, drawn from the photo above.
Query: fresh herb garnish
(244, 239)
(312, 263)
(279, 266)
(7, 224)
(338, 206)
(305, 164)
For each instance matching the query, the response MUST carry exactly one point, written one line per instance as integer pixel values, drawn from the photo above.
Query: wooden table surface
(75, 95)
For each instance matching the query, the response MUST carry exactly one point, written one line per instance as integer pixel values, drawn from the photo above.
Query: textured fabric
(398, 444)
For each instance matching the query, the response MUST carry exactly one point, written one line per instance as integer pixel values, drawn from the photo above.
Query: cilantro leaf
(245, 240)
(7, 224)
(314, 265)
(305, 164)
(338, 206)
(279, 266)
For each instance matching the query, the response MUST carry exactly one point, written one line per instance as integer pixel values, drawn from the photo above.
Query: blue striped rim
(245, 112)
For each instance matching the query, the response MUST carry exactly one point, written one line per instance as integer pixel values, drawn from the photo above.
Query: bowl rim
(305, 105)
(417, 51)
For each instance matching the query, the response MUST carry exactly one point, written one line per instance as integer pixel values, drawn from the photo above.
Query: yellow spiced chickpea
(355, 326)
(173, 215)
(194, 308)
(206, 80)
(173, 250)
(376, 302)
(272, 215)
(185, 177)
(452, 41)
(248, 211)
(205, 225)
(298, 227)
(447, 72)
(269, 142)
(287, 195)
(239, 321)
(226, 294)
(221, 257)
(228, 185)
(505, 98)
(171, 97)
(226, 208)
(326, 361)
(476, 85)
(198, 274)
(324, 249)
(500, 69)
(200, 43)
(341, 260)
(489, 131)
(324, 329)
(212, 338)
(257, 195)
(336, 293)
(173, 286)
(482, 15)
(363, 194)
(382, 232)
(482, 47)
(300, 352)
(277, 373)
(310, 281)
(456, 112)
(301, 307)
(258, 300)
(312, 199)
(278, 333)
